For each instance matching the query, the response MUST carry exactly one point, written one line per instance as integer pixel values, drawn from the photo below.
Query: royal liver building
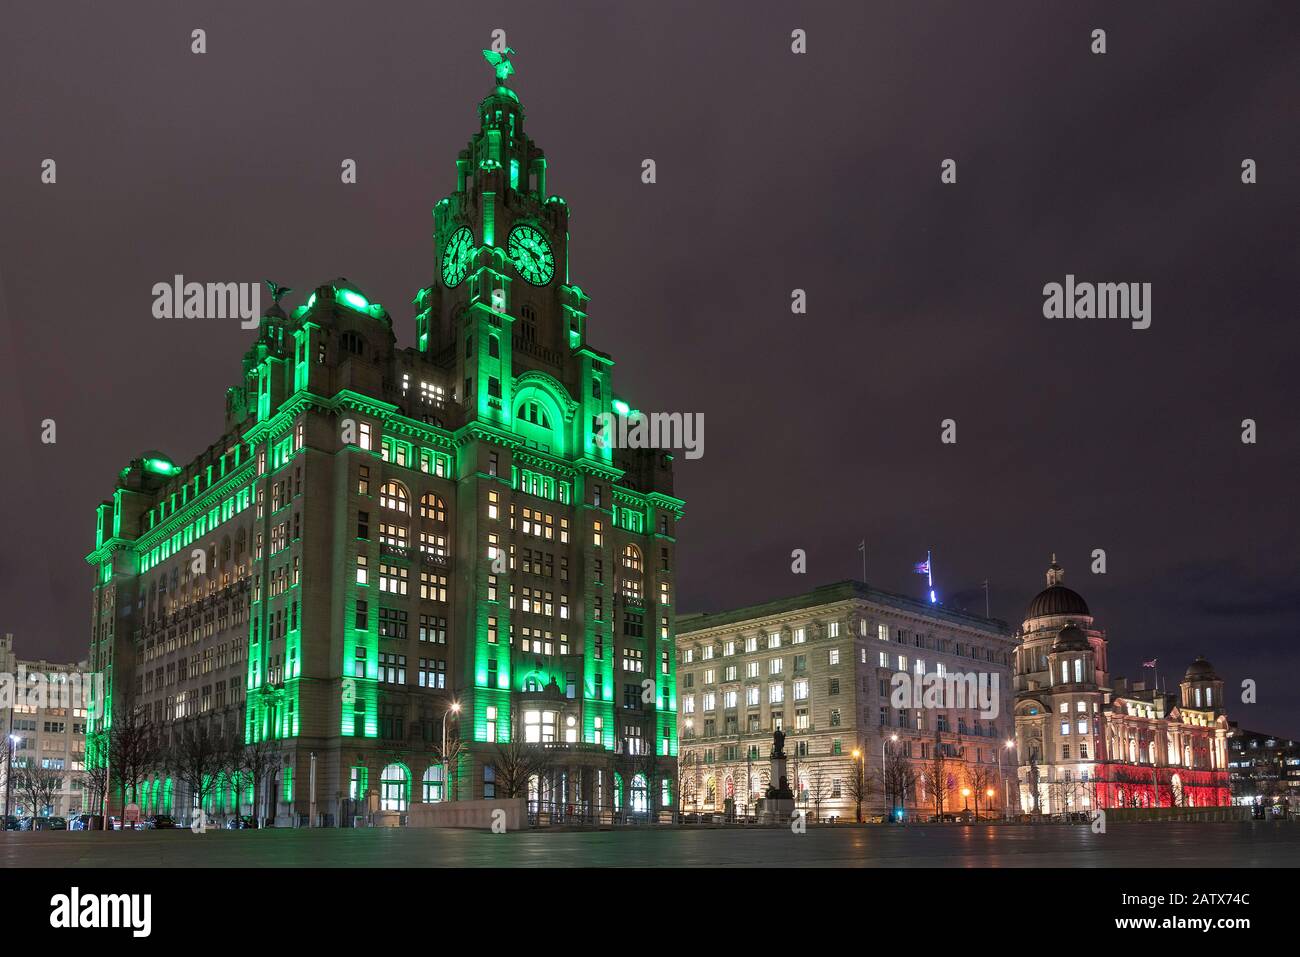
(388, 540)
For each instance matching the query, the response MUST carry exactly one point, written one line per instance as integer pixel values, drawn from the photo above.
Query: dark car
(241, 823)
(158, 822)
(42, 824)
(12, 823)
(86, 822)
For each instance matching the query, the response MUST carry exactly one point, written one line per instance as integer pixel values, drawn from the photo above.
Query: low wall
(475, 814)
(1204, 815)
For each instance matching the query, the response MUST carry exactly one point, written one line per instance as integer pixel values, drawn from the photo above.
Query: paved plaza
(1254, 844)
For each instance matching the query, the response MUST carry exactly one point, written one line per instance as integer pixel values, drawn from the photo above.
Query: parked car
(87, 822)
(241, 823)
(11, 822)
(43, 824)
(157, 822)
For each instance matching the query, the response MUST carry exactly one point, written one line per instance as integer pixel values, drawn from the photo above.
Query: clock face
(531, 255)
(456, 256)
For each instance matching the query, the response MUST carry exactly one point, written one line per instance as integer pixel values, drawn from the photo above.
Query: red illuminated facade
(1084, 741)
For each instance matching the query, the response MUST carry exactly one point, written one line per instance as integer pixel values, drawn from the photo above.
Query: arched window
(431, 506)
(534, 413)
(632, 558)
(394, 496)
(394, 788)
(640, 795)
(433, 784)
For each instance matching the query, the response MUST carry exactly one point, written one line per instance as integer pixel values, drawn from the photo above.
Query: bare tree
(94, 781)
(1130, 780)
(36, 787)
(688, 782)
(818, 786)
(134, 750)
(938, 778)
(456, 751)
(197, 758)
(898, 779)
(249, 765)
(980, 778)
(513, 763)
(859, 785)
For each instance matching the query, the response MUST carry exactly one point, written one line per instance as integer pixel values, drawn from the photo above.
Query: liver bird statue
(501, 63)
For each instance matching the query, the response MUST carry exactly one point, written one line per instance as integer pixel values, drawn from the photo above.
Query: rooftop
(830, 594)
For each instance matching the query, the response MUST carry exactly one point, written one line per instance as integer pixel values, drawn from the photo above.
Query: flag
(862, 545)
(922, 568)
(1150, 664)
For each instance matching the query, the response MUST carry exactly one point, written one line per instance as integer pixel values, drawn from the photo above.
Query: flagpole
(862, 547)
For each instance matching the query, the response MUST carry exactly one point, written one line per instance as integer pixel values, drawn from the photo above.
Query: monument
(777, 804)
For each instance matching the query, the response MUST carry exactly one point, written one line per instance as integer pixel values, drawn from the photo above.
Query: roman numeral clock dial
(457, 256)
(531, 255)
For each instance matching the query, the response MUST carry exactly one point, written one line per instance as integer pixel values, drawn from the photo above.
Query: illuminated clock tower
(401, 539)
(503, 309)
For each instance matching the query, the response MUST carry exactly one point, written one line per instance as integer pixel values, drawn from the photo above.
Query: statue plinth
(777, 804)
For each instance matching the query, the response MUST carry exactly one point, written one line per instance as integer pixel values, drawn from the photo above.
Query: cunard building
(822, 667)
(385, 538)
(1086, 741)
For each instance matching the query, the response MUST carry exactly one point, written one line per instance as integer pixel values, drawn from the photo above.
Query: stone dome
(1071, 638)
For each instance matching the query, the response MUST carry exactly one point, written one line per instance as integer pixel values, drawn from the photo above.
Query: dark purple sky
(775, 171)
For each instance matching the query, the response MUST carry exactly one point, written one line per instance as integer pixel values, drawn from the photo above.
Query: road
(1254, 844)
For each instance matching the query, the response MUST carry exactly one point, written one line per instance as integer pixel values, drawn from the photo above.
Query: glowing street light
(446, 765)
(860, 760)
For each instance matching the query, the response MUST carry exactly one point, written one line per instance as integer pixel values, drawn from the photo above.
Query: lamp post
(446, 765)
(860, 760)
(10, 743)
(884, 773)
(1006, 794)
(965, 793)
(988, 794)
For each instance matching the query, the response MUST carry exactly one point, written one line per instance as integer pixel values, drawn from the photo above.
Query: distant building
(1264, 769)
(49, 741)
(821, 667)
(1085, 741)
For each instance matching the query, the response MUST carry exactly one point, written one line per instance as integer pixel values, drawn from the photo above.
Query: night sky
(775, 171)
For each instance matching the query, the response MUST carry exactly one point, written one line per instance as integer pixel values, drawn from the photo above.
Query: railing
(585, 814)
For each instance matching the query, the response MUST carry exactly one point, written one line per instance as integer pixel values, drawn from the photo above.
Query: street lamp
(965, 793)
(861, 762)
(446, 765)
(1006, 794)
(884, 774)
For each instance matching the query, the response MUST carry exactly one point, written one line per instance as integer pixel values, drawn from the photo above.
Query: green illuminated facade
(387, 530)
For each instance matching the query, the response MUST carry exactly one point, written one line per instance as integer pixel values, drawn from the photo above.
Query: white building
(49, 738)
